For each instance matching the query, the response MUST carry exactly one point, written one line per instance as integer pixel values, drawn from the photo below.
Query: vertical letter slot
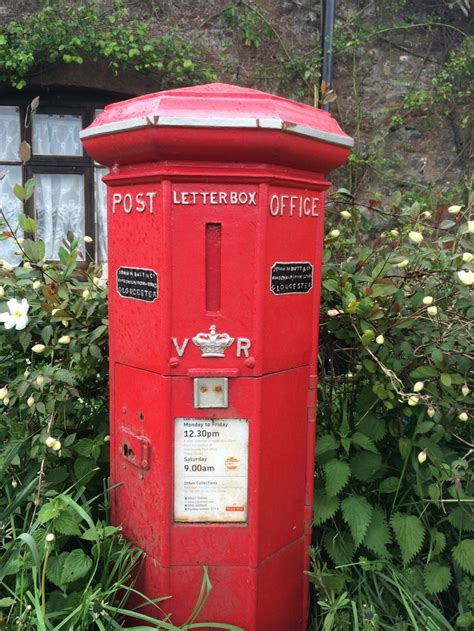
(213, 266)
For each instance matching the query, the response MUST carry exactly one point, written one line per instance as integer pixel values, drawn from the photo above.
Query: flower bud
(55, 311)
(65, 323)
(428, 300)
(7, 267)
(432, 311)
(26, 265)
(403, 263)
(336, 233)
(380, 339)
(465, 390)
(453, 210)
(394, 233)
(106, 439)
(413, 400)
(470, 227)
(49, 442)
(467, 257)
(2, 291)
(14, 484)
(6, 401)
(422, 456)
(88, 239)
(38, 348)
(463, 417)
(416, 237)
(466, 276)
(345, 214)
(96, 281)
(86, 294)
(50, 537)
(30, 401)
(3, 393)
(426, 214)
(37, 284)
(418, 387)
(56, 446)
(431, 411)
(39, 380)
(332, 313)
(64, 339)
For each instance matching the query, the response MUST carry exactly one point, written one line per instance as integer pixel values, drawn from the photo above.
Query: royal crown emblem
(212, 344)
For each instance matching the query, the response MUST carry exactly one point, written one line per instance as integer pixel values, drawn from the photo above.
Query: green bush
(393, 499)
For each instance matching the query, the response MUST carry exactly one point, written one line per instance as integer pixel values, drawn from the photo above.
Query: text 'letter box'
(215, 221)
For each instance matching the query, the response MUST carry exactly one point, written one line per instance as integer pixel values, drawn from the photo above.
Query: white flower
(332, 313)
(37, 284)
(416, 237)
(50, 537)
(49, 442)
(426, 214)
(403, 263)
(335, 233)
(453, 210)
(432, 311)
(3, 393)
(394, 233)
(428, 300)
(463, 417)
(470, 227)
(465, 390)
(39, 380)
(422, 456)
(16, 316)
(88, 239)
(467, 257)
(380, 339)
(38, 348)
(64, 339)
(86, 294)
(466, 276)
(30, 401)
(27, 265)
(413, 400)
(345, 214)
(418, 387)
(431, 411)
(56, 446)
(2, 291)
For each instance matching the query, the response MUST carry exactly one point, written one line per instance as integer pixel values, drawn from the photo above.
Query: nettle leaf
(66, 522)
(324, 507)
(337, 473)
(325, 443)
(76, 565)
(378, 534)
(339, 547)
(366, 466)
(362, 440)
(47, 512)
(436, 577)
(55, 568)
(389, 485)
(357, 514)
(463, 554)
(374, 427)
(462, 519)
(438, 542)
(409, 533)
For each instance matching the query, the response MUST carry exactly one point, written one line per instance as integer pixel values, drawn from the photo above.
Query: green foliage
(394, 460)
(60, 31)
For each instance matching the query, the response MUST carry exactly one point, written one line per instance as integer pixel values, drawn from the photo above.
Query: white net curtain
(59, 198)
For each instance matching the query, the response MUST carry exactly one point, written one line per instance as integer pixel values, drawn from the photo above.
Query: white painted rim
(240, 123)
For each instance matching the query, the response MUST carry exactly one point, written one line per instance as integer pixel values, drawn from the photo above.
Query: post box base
(268, 597)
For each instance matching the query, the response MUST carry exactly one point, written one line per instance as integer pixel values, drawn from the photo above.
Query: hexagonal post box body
(215, 230)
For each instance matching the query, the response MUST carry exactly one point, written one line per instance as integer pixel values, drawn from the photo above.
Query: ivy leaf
(463, 554)
(76, 565)
(409, 533)
(324, 507)
(378, 534)
(337, 474)
(357, 514)
(436, 577)
(325, 443)
(339, 547)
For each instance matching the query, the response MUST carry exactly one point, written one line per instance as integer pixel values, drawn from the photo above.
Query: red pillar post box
(215, 220)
